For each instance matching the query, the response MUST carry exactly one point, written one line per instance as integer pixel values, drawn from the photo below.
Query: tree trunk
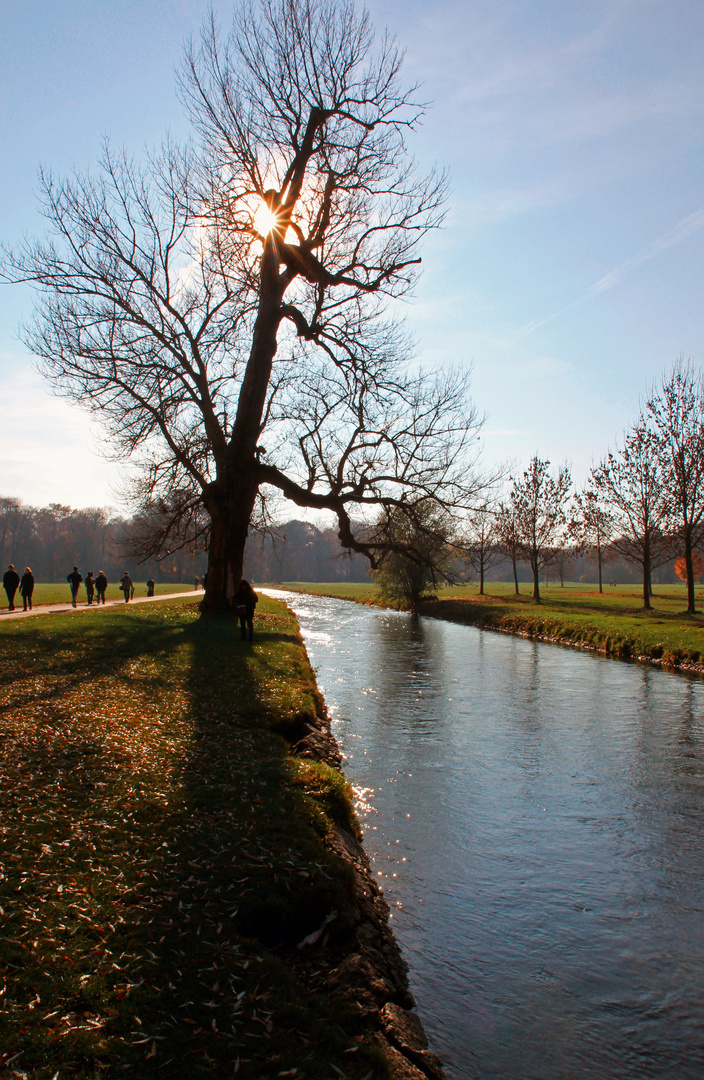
(231, 497)
(691, 610)
(646, 584)
(230, 515)
(536, 580)
(481, 578)
(598, 559)
(515, 573)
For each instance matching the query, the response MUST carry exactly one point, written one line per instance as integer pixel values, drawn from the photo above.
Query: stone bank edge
(613, 645)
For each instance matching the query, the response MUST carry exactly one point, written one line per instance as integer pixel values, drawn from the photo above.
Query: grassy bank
(163, 853)
(613, 622)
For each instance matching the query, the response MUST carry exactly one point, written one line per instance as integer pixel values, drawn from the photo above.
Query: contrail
(682, 231)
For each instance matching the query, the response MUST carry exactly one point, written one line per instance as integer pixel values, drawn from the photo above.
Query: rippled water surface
(535, 818)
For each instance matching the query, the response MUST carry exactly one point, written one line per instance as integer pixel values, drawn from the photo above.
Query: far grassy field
(60, 592)
(162, 853)
(613, 622)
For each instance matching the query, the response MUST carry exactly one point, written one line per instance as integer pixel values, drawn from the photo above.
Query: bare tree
(479, 542)
(592, 524)
(562, 559)
(675, 410)
(225, 309)
(630, 484)
(508, 538)
(538, 505)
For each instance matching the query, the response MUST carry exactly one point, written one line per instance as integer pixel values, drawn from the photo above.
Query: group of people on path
(245, 599)
(12, 580)
(94, 586)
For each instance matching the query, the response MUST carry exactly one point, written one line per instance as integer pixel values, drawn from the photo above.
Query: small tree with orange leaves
(697, 566)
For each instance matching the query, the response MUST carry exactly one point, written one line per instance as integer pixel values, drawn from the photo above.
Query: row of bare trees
(643, 502)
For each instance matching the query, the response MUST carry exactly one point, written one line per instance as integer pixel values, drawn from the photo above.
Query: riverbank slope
(182, 887)
(613, 623)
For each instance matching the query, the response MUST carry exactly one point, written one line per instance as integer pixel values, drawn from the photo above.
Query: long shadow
(154, 912)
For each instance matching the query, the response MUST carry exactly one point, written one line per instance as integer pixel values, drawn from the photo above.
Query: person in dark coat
(10, 581)
(150, 587)
(27, 588)
(126, 586)
(245, 602)
(101, 584)
(90, 586)
(74, 579)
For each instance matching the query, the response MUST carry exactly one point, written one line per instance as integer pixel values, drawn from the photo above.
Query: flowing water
(534, 816)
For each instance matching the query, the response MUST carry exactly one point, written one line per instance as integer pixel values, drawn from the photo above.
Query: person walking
(245, 602)
(74, 579)
(150, 586)
(90, 586)
(196, 583)
(10, 581)
(126, 586)
(101, 584)
(27, 587)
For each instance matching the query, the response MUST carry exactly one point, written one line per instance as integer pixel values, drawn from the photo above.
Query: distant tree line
(51, 539)
(300, 551)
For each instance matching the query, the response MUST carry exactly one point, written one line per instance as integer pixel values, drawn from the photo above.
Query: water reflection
(534, 816)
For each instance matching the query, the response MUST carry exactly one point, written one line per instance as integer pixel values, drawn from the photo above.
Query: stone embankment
(365, 968)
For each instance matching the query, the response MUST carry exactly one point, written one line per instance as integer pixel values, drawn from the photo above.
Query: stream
(534, 816)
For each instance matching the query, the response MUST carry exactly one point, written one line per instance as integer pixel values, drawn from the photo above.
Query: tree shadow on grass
(160, 866)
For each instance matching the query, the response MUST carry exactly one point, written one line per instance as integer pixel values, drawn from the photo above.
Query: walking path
(56, 609)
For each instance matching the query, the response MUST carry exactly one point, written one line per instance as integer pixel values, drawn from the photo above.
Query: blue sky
(569, 273)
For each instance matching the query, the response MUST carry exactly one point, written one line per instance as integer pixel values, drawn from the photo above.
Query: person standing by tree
(74, 579)
(10, 581)
(101, 584)
(27, 588)
(245, 602)
(90, 586)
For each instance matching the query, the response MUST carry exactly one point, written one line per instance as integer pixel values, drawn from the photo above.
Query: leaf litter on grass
(158, 851)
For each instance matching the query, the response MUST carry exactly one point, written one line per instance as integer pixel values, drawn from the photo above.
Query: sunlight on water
(534, 816)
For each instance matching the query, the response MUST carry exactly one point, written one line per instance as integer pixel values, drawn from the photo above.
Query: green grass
(162, 852)
(613, 622)
(60, 592)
